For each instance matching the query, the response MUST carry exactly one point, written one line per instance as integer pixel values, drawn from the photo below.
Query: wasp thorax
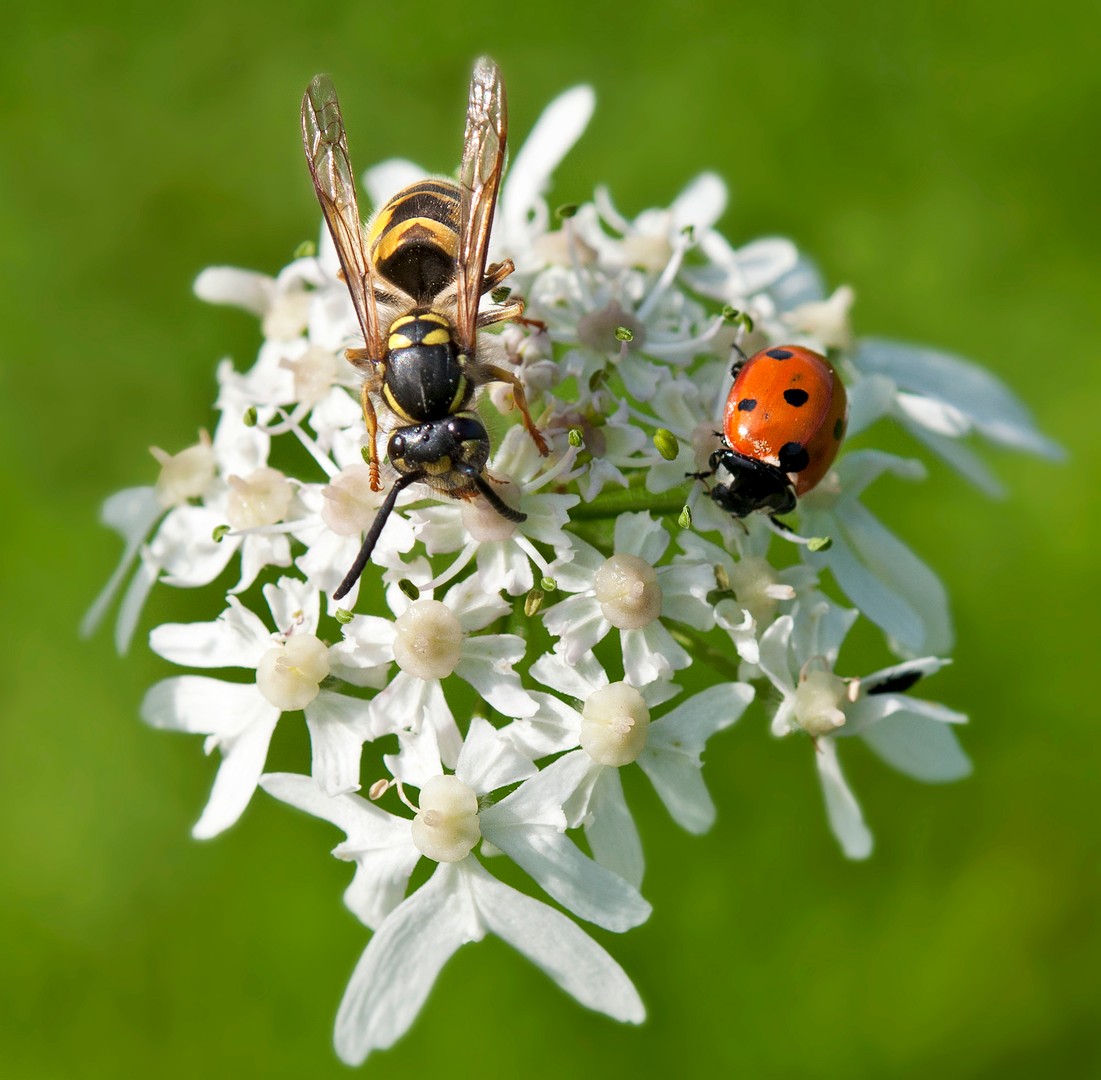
(614, 725)
(289, 675)
(185, 475)
(428, 640)
(628, 592)
(447, 826)
(350, 503)
(817, 702)
(261, 498)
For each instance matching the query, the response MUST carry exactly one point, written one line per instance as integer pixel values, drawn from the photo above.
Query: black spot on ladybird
(796, 398)
(780, 354)
(794, 457)
(747, 404)
(838, 427)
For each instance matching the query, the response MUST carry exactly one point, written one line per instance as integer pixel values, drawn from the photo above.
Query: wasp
(416, 275)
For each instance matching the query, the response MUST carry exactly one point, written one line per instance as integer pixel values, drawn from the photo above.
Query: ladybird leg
(370, 420)
(490, 372)
(740, 360)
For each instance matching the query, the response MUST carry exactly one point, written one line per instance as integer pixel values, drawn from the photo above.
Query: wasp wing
(326, 146)
(479, 179)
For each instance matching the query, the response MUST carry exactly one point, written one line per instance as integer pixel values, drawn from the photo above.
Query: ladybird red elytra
(782, 427)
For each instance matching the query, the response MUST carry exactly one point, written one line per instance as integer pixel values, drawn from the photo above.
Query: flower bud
(261, 498)
(185, 475)
(628, 592)
(428, 640)
(447, 826)
(817, 701)
(289, 675)
(614, 724)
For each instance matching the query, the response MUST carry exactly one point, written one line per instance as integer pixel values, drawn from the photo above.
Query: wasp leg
(502, 314)
(371, 422)
(497, 273)
(491, 372)
(363, 360)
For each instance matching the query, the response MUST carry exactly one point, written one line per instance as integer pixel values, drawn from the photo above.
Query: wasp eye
(397, 445)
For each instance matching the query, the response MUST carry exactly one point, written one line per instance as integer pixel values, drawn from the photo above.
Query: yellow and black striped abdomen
(414, 237)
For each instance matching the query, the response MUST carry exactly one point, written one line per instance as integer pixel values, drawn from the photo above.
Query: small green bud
(722, 578)
(576, 439)
(250, 416)
(623, 333)
(549, 584)
(409, 589)
(343, 616)
(533, 602)
(819, 543)
(666, 443)
(685, 518)
(219, 534)
(306, 250)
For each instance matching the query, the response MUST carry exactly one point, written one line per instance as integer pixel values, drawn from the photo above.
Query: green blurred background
(942, 158)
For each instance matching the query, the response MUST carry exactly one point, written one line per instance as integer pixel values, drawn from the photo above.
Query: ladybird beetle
(782, 426)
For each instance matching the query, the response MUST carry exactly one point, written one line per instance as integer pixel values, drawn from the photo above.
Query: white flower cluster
(517, 667)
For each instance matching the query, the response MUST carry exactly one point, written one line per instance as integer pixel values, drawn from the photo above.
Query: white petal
(203, 706)
(239, 288)
(775, 659)
(577, 680)
(401, 962)
(701, 203)
(237, 638)
(919, 746)
(611, 830)
(487, 665)
(131, 513)
(557, 945)
(841, 806)
(489, 761)
(641, 535)
(379, 843)
(555, 132)
(888, 583)
(679, 783)
(338, 726)
(993, 407)
(293, 604)
(651, 654)
(137, 592)
(570, 877)
(686, 728)
(964, 460)
(242, 763)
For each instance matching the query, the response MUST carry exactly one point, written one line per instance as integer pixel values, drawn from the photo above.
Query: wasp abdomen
(414, 238)
(425, 377)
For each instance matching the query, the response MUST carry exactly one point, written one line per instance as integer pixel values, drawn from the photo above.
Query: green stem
(626, 500)
(697, 645)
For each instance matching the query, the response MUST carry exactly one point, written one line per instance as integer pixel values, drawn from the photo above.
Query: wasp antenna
(375, 531)
(494, 500)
